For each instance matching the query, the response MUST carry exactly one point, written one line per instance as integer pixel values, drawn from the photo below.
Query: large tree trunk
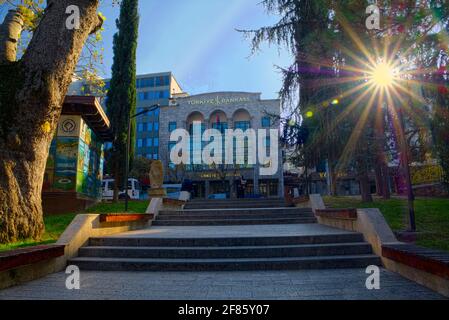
(382, 179)
(379, 184)
(32, 92)
(386, 193)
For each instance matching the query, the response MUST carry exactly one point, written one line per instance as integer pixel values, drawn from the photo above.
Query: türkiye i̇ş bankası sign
(219, 101)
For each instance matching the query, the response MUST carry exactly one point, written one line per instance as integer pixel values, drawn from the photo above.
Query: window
(172, 126)
(171, 145)
(162, 81)
(220, 126)
(156, 126)
(140, 127)
(150, 126)
(146, 82)
(266, 122)
(156, 112)
(159, 81)
(243, 125)
(156, 142)
(139, 143)
(267, 142)
(149, 142)
(155, 156)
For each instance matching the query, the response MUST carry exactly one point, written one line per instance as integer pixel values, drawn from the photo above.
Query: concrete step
(230, 212)
(234, 222)
(241, 203)
(178, 217)
(244, 264)
(227, 252)
(226, 242)
(270, 200)
(189, 206)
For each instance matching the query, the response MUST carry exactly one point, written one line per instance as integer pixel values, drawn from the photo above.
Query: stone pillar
(281, 187)
(256, 179)
(207, 189)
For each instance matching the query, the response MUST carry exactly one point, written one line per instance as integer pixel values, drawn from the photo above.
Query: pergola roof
(90, 110)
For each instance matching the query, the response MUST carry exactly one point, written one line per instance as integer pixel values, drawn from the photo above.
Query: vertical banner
(65, 164)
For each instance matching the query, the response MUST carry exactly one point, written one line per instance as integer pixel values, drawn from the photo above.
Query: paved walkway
(339, 284)
(347, 284)
(232, 231)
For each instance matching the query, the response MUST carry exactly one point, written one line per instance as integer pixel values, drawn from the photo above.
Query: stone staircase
(226, 254)
(209, 217)
(236, 203)
(240, 236)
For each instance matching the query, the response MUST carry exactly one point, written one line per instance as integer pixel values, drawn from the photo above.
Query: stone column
(281, 187)
(256, 179)
(207, 188)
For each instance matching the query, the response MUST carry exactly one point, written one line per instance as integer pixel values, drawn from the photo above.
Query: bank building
(222, 111)
(219, 110)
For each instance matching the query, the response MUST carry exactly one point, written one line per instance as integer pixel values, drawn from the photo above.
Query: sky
(197, 41)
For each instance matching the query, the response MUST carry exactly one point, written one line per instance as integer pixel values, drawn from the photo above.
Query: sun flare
(383, 75)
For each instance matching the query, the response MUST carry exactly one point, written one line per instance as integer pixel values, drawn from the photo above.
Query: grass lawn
(432, 216)
(56, 224)
(54, 227)
(106, 207)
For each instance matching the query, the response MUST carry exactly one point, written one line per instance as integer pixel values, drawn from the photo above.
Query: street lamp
(128, 142)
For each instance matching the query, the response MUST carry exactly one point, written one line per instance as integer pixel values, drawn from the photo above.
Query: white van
(133, 189)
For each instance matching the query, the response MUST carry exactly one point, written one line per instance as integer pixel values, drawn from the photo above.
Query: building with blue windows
(220, 111)
(154, 88)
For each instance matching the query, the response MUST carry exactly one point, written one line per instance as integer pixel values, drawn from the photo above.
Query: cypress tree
(121, 98)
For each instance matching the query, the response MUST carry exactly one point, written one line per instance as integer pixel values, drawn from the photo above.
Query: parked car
(173, 190)
(134, 190)
(218, 196)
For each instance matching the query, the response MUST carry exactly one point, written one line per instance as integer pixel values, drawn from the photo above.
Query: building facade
(74, 170)
(221, 111)
(154, 88)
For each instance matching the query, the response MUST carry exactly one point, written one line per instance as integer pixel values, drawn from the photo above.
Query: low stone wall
(426, 279)
(372, 224)
(77, 234)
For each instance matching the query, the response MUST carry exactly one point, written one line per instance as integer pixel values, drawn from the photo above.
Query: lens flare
(383, 75)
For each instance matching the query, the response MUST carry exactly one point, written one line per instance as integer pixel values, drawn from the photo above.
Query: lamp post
(128, 142)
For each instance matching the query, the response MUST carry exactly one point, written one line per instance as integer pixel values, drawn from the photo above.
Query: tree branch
(10, 32)
(97, 26)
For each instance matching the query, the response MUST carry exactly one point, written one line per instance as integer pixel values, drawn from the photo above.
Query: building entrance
(199, 189)
(220, 188)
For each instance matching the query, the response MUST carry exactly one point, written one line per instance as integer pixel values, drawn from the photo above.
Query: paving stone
(298, 285)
